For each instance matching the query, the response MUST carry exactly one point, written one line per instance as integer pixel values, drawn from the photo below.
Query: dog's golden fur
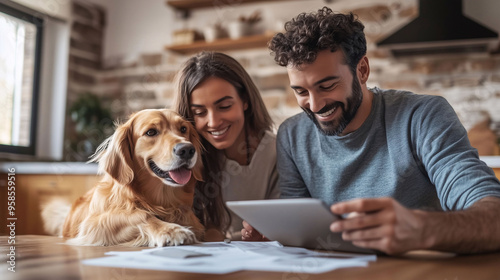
(132, 204)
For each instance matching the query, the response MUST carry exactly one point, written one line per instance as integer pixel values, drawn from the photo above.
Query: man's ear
(363, 70)
(117, 161)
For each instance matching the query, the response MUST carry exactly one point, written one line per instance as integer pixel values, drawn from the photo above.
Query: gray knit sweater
(411, 147)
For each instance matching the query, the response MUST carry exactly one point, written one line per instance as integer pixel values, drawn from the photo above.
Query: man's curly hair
(307, 34)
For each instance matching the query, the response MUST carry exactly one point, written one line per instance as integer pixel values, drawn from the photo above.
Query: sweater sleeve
(452, 164)
(291, 184)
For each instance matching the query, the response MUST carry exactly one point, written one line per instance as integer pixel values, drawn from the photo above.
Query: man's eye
(183, 129)
(328, 87)
(152, 132)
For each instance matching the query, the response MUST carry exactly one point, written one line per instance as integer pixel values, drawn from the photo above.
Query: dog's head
(158, 141)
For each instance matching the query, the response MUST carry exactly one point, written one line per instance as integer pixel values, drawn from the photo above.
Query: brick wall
(470, 82)
(84, 67)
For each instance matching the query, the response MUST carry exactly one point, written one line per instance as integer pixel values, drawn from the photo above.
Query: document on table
(220, 258)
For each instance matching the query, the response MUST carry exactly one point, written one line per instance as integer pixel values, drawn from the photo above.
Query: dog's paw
(174, 235)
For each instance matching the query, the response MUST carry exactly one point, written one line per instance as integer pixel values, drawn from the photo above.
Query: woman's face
(218, 113)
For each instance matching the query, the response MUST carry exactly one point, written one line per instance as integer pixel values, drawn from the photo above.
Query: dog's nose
(184, 150)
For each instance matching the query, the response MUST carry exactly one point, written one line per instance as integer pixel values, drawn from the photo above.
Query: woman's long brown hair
(209, 205)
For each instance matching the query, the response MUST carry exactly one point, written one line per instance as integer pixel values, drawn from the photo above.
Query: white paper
(221, 258)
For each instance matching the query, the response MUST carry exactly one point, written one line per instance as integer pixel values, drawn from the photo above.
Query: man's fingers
(367, 233)
(360, 205)
(357, 222)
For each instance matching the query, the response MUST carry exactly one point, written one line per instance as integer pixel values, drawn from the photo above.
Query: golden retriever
(151, 165)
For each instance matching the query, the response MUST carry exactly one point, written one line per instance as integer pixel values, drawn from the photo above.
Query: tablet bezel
(299, 222)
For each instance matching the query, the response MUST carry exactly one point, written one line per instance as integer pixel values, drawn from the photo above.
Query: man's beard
(336, 127)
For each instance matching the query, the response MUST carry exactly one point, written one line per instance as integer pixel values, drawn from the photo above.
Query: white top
(258, 180)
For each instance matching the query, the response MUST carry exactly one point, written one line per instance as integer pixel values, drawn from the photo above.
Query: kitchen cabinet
(32, 190)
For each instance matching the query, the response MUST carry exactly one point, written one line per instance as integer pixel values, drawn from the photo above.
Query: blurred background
(70, 68)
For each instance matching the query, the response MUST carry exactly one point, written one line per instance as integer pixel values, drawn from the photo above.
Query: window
(20, 50)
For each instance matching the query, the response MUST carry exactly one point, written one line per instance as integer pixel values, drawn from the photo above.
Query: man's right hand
(248, 233)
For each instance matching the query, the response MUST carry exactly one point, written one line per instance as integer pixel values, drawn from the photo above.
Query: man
(393, 158)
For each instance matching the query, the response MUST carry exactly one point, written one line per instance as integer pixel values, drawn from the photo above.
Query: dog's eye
(151, 132)
(183, 129)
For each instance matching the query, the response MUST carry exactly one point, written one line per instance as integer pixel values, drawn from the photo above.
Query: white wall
(135, 27)
(53, 89)
(60, 9)
(484, 11)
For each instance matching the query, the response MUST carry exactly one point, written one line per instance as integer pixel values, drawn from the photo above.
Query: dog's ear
(117, 159)
(198, 167)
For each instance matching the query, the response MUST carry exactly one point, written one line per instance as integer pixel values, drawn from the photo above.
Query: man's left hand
(380, 223)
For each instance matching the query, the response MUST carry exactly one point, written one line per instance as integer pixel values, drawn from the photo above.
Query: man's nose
(315, 103)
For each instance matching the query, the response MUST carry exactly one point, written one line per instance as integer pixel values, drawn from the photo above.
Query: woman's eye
(225, 107)
(152, 132)
(183, 129)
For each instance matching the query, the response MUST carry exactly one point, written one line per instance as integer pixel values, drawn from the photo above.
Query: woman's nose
(213, 120)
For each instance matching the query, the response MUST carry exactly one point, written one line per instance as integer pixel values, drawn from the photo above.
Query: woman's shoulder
(268, 143)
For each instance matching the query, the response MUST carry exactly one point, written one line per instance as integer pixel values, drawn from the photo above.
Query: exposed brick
(81, 78)
(89, 11)
(445, 82)
(168, 76)
(84, 62)
(132, 79)
(273, 81)
(290, 99)
(373, 14)
(271, 101)
(152, 77)
(435, 67)
(109, 80)
(168, 93)
(85, 46)
(150, 59)
(378, 53)
(81, 10)
(400, 84)
(468, 81)
(495, 78)
(483, 65)
(87, 31)
(408, 12)
(421, 67)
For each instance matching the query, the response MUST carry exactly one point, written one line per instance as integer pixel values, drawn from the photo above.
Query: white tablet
(299, 222)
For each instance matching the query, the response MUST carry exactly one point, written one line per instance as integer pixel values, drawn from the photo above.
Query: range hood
(441, 27)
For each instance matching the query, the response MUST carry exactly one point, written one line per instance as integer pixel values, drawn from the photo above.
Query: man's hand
(382, 224)
(248, 233)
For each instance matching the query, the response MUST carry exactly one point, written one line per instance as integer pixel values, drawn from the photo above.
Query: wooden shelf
(198, 4)
(255, 41)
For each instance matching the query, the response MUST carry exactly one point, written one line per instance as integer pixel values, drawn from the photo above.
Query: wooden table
(46, 257)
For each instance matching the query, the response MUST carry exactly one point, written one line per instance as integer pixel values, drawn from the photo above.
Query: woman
(218, 96)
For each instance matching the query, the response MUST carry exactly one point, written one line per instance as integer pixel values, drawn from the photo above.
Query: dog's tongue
(181, 176)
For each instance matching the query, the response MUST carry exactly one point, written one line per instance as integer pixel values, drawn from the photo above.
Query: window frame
(38, 22)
